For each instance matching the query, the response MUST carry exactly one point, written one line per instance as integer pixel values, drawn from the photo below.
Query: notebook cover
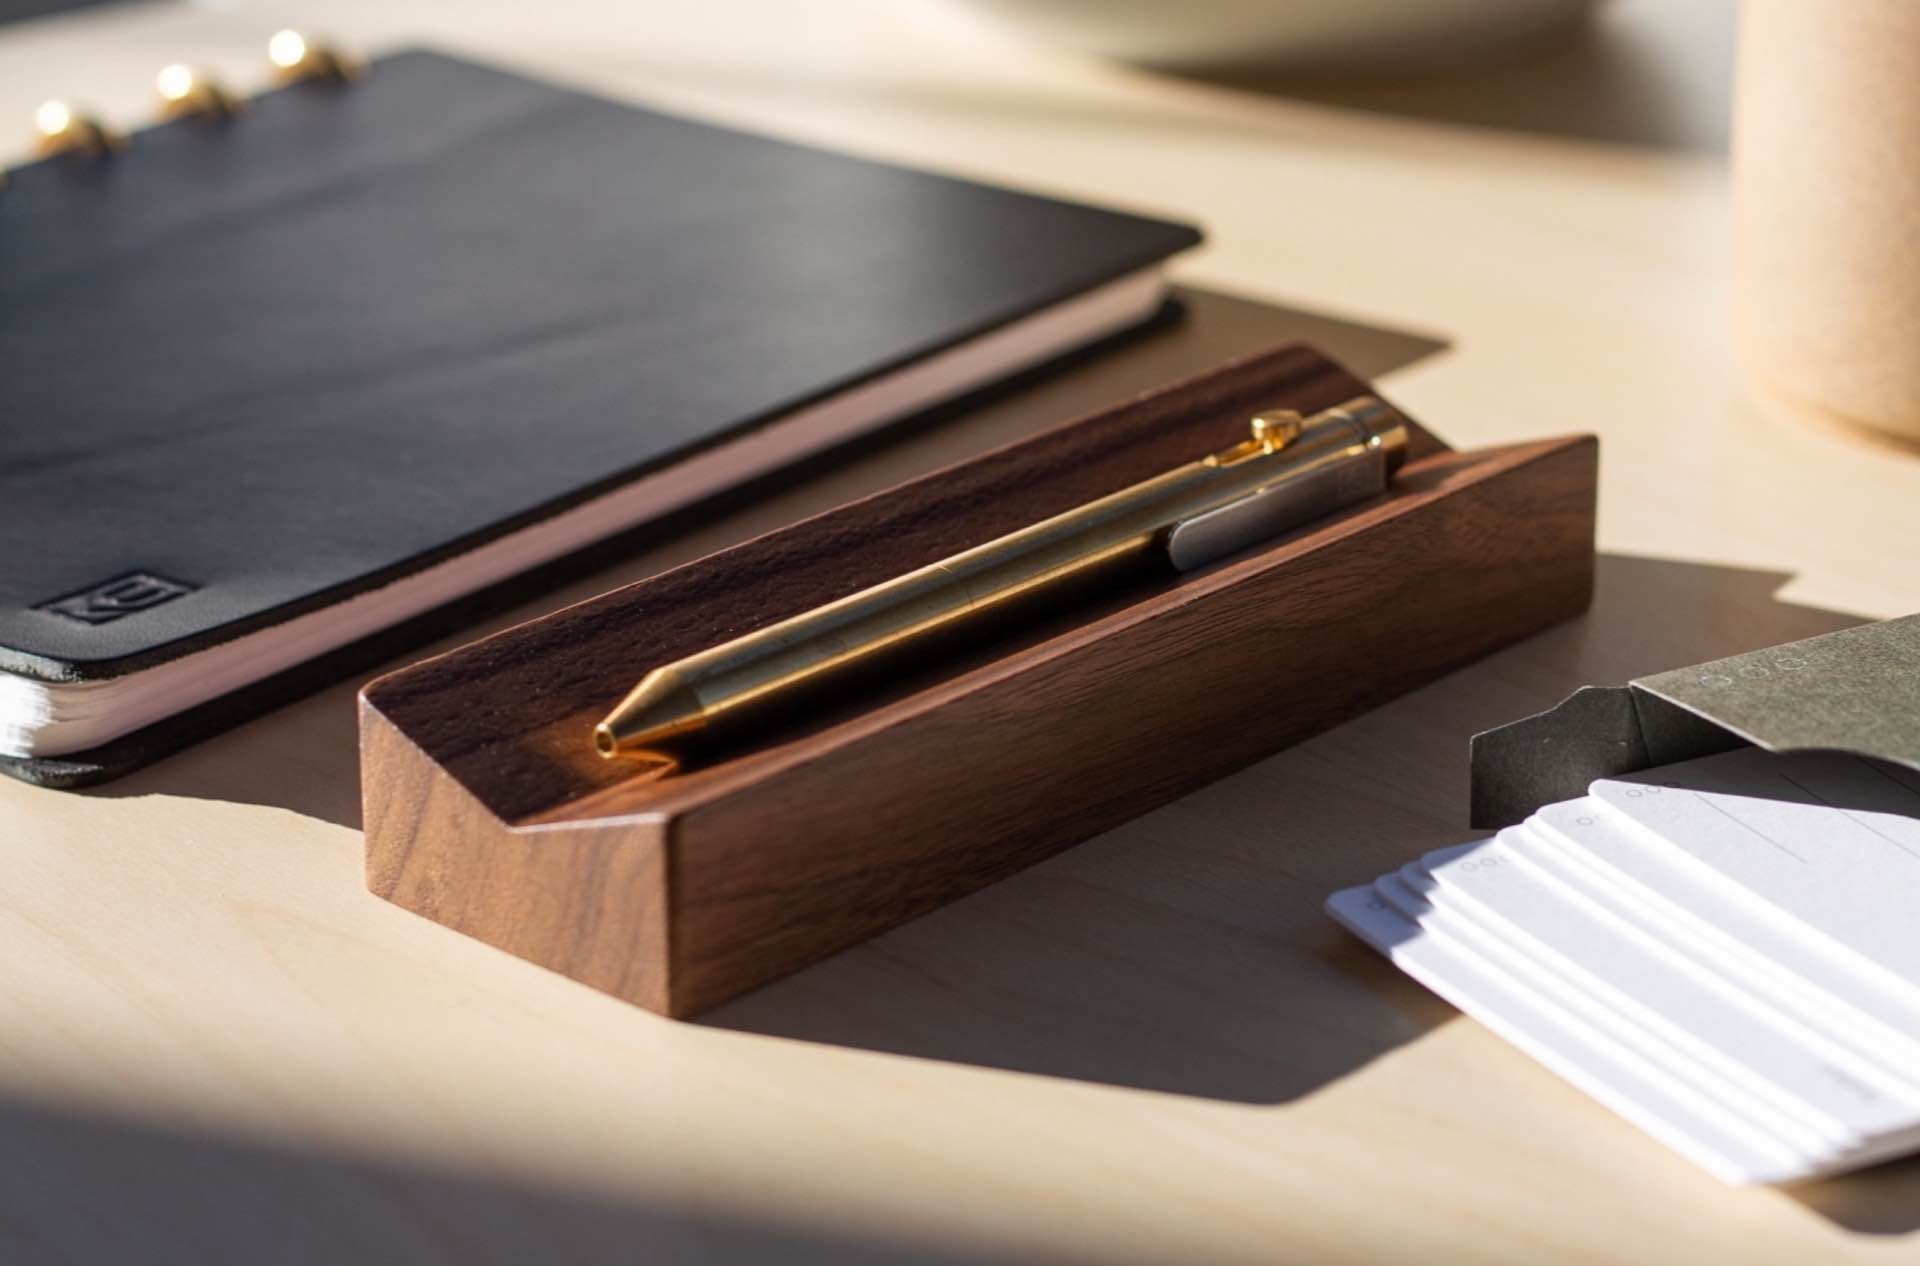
(360, 329)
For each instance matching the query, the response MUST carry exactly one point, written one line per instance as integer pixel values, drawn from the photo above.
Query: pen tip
(662, 709)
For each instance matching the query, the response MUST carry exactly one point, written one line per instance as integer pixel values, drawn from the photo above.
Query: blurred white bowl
(1290, 33)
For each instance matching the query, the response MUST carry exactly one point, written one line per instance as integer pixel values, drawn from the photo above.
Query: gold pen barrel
(1290, 472)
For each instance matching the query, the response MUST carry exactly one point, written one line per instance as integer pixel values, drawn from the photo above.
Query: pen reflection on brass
(651, 766)
(1290, 471)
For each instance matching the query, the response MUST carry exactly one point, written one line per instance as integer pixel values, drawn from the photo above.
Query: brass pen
(1291, 471)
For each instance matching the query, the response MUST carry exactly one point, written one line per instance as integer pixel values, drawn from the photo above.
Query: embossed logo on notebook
(123, 595)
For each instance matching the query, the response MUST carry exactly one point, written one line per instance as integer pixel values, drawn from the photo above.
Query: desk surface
(1154, 1048)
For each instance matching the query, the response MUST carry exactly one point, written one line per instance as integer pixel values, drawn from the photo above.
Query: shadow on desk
(1659, 77)
(1884, 1200)
(82, 1189)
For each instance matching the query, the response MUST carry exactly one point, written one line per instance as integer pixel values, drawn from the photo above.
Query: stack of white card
(1726, 952)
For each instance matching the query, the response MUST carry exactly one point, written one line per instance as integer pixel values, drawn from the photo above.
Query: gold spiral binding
(189, 93)
(295, 57)
(62, 129)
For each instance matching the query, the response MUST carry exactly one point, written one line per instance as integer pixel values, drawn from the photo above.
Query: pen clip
(1272, 430)
(1270, 513)
(1376, 444)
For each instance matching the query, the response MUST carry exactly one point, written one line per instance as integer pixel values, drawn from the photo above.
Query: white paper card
(1728, 1152)
(1801, 1075)
(1726, 951)
(1707, 917)
(1819, 839)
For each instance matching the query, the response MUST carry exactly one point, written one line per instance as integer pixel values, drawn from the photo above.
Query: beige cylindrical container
(1826, 287)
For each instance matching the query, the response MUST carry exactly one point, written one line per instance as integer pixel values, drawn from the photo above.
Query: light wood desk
(218, 1048)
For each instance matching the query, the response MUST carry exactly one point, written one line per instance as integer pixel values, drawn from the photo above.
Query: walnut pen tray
(488, 810)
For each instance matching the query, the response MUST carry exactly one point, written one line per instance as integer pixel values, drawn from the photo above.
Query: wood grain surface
(530, 694)
(486, 808)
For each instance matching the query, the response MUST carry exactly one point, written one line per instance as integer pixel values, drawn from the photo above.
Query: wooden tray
(488, 810)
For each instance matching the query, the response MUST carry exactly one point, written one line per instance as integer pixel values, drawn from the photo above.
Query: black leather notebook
(283, 395)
